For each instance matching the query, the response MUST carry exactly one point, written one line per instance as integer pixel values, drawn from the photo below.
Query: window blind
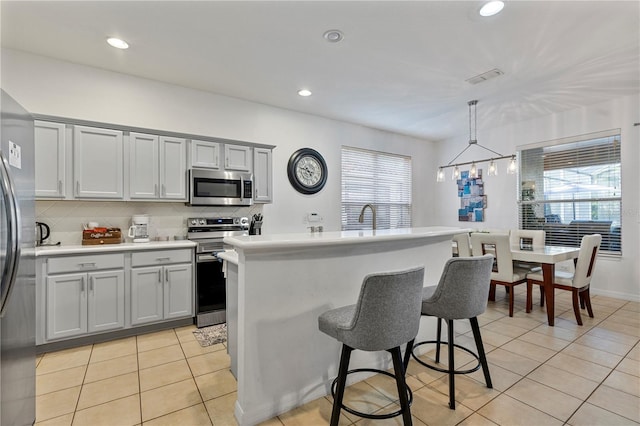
(378, 178)
(571, 189)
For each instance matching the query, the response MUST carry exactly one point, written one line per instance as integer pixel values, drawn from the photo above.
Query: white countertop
(110, 248)
(339, 238)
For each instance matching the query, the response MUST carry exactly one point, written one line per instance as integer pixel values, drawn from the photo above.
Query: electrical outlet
(15, 155)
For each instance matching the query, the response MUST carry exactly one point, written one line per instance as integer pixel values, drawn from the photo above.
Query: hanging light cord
(474, 141)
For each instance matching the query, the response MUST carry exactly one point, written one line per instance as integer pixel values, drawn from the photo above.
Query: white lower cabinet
(87, 294)
(81, 303)
(161, 292)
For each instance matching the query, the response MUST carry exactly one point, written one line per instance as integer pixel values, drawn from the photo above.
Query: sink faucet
(373, 212)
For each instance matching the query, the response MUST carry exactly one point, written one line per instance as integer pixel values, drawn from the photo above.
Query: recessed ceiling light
(117, 43)
(333, 36)
(491, 8)
(304, 92)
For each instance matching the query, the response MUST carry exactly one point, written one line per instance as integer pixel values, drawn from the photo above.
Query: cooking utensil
(42, 232)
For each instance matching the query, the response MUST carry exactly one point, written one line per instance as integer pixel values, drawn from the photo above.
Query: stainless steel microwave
(217, 188)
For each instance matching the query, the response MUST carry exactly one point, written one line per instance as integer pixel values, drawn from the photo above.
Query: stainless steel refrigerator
(17, 265)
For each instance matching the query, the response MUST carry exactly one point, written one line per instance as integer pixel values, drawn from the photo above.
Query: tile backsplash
(65, 218)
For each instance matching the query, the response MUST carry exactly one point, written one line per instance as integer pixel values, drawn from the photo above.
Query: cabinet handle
(159, 275)
(160, 259)
(87, 265)
(155, 190)
(82, 290)
(77, 187)
(164, 190)
(166, 275)
(91, 283)
(59, 187)
(226, 163)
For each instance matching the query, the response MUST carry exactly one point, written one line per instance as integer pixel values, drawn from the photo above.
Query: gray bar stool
(386, 316)
(460, 294)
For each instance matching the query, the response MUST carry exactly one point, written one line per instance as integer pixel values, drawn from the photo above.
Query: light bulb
(493, 168)
(456, 173)
(513, 165)
(440, 175)
(491, 8)
(473, 172)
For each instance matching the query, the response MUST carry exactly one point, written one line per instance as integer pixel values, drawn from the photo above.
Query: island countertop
(338, 238)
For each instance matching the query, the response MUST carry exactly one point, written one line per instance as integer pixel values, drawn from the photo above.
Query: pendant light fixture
(473, 172)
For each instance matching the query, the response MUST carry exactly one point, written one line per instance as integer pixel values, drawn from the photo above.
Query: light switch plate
(314, 218)
(15, 155)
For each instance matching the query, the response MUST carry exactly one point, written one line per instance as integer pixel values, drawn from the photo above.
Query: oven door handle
(208, 258)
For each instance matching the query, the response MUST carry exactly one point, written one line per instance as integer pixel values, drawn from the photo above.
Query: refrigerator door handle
(13, 237)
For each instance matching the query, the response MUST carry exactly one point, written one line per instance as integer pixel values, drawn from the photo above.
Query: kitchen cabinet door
(144, 166)
(106, 301)
(178, 293)
(98, 163)
(173, 168)
(66, 305)
(50, 150)
(262, 176)
(146, 294)
(237, 157)
(205, 154)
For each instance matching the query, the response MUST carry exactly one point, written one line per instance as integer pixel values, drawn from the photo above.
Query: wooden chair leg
(529, 303)
(342, 380)
(510, 300)
(587, 301)
(541, 296)
(576, 305)
(492, 292)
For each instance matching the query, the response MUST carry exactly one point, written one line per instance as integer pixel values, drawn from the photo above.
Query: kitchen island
(278, 285)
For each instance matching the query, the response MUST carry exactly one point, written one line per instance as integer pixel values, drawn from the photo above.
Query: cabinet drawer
(160, 257)
(56, 265)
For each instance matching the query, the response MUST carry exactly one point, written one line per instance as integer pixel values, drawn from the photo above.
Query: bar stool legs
(404, 392)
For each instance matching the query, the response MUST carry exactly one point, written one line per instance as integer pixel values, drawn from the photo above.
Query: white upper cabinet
(173, 168)
(262, 176)
(144, 166)
(98, 163)
(205, 154)
(50, 146)
(237, 157)
(157, 167)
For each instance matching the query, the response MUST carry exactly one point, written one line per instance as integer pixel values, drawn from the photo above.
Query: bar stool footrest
(442, 370)
(367, 415)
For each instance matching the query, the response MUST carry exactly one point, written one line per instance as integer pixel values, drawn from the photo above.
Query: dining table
(548, 257)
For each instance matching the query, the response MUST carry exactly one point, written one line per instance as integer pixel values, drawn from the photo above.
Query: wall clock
(307, 171)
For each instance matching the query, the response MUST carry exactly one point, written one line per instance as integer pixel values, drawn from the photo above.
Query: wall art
(472, 198)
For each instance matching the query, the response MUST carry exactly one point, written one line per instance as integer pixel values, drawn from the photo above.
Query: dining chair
(526, 237)
(504, 273)
(463, 244)
(577, 282)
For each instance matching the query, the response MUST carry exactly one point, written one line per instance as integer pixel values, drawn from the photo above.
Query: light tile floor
(542, 375)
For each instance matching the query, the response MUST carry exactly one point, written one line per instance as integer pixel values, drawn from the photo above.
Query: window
(571, 188)
(381, 179)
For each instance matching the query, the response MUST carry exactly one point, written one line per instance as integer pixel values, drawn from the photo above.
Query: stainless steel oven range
(210, 282)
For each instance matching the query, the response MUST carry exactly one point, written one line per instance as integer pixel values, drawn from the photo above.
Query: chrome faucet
(373, 212)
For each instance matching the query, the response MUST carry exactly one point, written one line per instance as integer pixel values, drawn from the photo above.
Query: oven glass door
(210, 286)
(217, 188)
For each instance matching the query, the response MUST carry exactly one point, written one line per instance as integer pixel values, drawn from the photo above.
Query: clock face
(307, 171)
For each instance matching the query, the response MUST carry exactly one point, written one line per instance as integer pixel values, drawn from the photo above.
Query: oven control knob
(194, 222)
(203, 222)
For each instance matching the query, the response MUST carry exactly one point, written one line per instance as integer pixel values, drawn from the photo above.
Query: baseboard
(615, 294)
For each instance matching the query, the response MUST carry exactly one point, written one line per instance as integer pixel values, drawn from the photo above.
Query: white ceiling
(401, 67)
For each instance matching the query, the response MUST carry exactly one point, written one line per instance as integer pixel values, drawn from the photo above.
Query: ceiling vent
(485, 76)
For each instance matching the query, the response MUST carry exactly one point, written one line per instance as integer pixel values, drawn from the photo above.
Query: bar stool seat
(386, 316)
(460, 294)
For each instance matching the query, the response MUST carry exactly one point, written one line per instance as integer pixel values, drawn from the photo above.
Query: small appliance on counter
(42, 233)
(93, 234)
(256, 225)
(139, 229)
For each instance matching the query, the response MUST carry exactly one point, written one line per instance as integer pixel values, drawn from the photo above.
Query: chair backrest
(388, 310)
(497, 245)
(463, 288)
(589, 247)
(527, 236)
(464, 247)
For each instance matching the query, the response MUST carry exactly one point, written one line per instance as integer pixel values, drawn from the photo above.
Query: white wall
(617, 277)
(51, 87)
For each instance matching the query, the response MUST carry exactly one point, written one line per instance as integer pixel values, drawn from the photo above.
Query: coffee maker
(139, 229)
